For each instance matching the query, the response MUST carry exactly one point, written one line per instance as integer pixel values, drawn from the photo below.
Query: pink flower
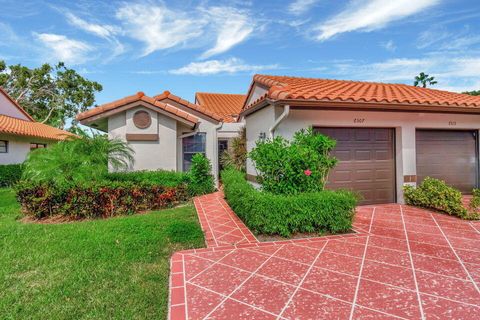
(307, 172)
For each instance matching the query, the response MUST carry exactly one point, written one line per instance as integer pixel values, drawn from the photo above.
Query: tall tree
(424, 79)
(472, 93)
(50, 94)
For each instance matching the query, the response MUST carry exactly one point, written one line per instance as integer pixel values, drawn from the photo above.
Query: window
(3, 146)
(191, 146)
(37, 145)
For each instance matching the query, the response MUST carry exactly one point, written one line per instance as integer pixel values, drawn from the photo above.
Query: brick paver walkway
(403, 263)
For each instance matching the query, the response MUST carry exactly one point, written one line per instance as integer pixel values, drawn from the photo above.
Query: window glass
(34, 145)
(3, 146)
(192, 145)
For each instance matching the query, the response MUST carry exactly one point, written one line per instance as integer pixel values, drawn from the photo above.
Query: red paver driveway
(403, 263)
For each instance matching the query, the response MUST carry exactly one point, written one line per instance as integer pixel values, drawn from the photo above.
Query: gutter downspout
(194, 132)
(286, 111)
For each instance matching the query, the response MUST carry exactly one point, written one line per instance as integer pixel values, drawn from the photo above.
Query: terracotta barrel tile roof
(188, 104)
(227, 106)
(139, 96)
(311, 89)
(10, 125)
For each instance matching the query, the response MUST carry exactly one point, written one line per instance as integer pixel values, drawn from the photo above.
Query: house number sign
(452, 123)
(359, 120)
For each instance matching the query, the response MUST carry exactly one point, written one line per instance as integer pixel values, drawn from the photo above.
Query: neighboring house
(387, 135)
(20, 133)
(165, 131)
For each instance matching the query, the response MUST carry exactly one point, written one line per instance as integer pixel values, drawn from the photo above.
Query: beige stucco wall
(18, 148)
(9, 109)
(404, 123)
(149, 155)
(256, 123)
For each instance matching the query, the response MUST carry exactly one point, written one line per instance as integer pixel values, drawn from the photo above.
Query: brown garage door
(448, 155)
(366, 162)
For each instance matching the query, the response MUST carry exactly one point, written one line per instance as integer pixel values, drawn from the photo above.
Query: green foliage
(424, 79)
(474, 204)
(201, 179)
(436, 194)
(95, 269)
(472, 93)
(157, 177)
(266, 213)
(301, 165)
(10, 174)
(236, 155)
(50, 94)
(95, 199)
(77, 160)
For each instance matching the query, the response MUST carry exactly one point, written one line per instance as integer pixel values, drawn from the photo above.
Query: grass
(101, 269)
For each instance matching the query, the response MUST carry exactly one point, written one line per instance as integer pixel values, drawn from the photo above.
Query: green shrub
(267, 213)
(436, 194)
(200, 175)
(158, 177)
(95, 199)
(10, 174)
(236, 155)
(301, 165)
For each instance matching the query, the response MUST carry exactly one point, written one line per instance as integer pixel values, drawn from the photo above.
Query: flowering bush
(95, 199)
(301, 165)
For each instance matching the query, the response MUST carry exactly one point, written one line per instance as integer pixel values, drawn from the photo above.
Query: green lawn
(103, 269)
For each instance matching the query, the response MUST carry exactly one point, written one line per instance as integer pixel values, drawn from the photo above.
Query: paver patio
(402, 263)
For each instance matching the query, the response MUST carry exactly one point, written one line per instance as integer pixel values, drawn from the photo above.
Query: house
(387, 135)
(165, 131)
(20, 133)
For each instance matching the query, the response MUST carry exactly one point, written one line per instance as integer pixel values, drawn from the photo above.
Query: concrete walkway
(402, 263)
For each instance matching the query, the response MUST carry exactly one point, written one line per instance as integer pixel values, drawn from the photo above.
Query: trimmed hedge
(10, 174)
(96, 199)
(436, 194)
(158, 177)
(266, 213)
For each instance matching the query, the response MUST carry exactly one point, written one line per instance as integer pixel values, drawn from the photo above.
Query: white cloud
(157, 26)
(232, 27)
(452, 73)
(101, 30)
(442, 39)
(299, 7)
(209, 67)
(64, 49)
(369, 15)
(389, 45)
(104, 31)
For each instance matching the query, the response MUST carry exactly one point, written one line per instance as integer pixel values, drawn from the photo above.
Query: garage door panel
(366, 162)
(448, 155)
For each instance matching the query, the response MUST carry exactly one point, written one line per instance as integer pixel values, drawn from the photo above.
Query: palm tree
(424, 79)
(236, 155)
(77, 159)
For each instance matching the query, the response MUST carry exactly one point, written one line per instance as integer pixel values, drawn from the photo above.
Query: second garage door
(449, 155)
(366, 162)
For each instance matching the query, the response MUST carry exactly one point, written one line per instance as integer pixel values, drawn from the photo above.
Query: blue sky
(216, 46)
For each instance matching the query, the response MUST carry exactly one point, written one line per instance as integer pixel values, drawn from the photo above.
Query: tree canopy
(50, 94)
(424, 79)
(472, 93)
